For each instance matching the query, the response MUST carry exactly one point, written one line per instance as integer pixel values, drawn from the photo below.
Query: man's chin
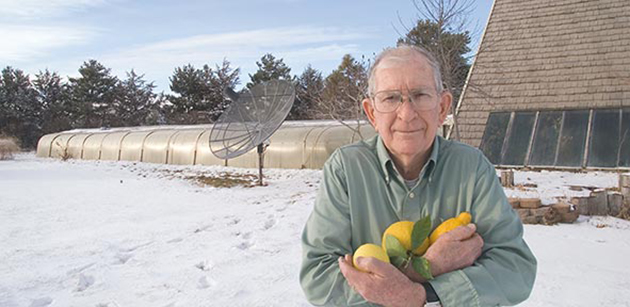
(410, 148)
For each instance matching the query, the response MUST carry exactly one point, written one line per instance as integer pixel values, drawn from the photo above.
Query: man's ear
(369, 111)
(446, 99)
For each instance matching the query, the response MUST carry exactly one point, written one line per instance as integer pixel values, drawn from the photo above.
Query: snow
(98, 233)
(552, 186)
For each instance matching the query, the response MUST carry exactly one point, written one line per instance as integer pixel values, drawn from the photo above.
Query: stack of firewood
(531, 211)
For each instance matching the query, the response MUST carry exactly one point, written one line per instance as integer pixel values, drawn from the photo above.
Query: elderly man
(406, 172)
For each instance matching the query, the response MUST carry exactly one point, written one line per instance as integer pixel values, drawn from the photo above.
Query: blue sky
(154, 37)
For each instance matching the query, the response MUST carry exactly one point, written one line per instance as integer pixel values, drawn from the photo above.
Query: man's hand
(382, 283)
(454, 250)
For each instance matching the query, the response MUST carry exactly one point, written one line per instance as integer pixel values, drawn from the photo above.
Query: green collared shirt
(362, 194)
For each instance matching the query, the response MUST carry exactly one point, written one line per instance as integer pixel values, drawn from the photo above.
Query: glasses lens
(387, 101)
(422, 100)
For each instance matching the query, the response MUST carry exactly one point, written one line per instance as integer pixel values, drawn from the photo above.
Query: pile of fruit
(405, 242)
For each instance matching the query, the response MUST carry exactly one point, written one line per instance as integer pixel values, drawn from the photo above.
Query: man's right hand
(454, 250)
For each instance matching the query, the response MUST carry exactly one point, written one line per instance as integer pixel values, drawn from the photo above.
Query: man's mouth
(408, 131)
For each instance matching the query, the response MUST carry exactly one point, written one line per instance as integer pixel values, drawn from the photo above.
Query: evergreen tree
(225, 77)
(344, 90)
(187, 81)
(158, 114)
(269, 69)
(135, 100)
(53, 96)
(449, 49)
(20, 112)
(200, 92)
(308, 89)
(93, 95)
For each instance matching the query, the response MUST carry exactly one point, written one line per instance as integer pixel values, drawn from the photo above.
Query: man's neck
(409, 167)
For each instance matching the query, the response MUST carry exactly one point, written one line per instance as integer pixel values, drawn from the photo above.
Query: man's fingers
(461, 233)
(354, 277)
(346, 268)
(478, 243)
(373, 265)
(344, 264)
(477, 239)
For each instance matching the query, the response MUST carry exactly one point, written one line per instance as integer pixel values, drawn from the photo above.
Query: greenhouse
(296, 144)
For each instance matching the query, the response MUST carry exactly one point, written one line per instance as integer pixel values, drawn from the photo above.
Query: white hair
(404, 52)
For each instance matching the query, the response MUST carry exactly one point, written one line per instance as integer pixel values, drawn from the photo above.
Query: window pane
(493, 136)
(624, 143)
(546, 138)
(604, 139)
(519, 137)
(573, 138)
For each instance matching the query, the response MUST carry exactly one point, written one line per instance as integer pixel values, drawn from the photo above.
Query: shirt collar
(388, 165)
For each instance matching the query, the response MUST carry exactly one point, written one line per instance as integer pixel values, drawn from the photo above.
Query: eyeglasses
(389, 101)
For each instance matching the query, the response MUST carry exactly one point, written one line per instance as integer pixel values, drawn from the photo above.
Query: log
(615, 202)
(507, 178)
(551, 217)
(531, 203)
(540, 212)
(561, 207)
(532, 219)
(598, 203)
(581, 205)
(523, 213)
(514, 202)
(625, 192)
(527, 216)
(624, 185)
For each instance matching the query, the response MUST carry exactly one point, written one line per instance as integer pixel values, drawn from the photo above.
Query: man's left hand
(383, 283)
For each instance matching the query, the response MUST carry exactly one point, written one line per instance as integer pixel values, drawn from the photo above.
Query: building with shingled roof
(550, 85)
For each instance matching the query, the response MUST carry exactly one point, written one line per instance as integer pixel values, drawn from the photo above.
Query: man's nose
(406, 110)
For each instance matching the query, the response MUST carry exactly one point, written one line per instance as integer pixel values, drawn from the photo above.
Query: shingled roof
(548, 55)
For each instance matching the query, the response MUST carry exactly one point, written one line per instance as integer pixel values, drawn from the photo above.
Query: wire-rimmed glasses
(421, 99)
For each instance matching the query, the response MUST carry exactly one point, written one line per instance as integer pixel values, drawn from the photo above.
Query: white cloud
(23, 43)
(298, 46)
(318, 43)
(276, 37)
(43, 8)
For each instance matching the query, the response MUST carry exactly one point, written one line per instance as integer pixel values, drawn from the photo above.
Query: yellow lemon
(402, 231)
(462, 219)
(369, 250)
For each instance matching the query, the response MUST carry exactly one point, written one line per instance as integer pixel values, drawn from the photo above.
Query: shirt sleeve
(325, 238)
(504, 273)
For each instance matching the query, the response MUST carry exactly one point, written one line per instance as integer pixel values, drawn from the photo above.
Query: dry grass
(625, 212)
(8, 148)
(65, 154)
(225, 180)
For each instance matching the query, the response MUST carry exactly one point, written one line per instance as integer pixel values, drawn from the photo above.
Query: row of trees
(31, 107)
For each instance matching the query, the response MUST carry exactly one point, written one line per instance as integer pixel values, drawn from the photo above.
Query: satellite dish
(251, 119)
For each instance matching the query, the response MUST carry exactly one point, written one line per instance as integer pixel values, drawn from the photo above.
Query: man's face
(407, 131)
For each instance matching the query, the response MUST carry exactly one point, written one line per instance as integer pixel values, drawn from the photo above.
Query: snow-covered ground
(88, 233)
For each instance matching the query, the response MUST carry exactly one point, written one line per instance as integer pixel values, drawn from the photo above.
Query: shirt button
(412, 195)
